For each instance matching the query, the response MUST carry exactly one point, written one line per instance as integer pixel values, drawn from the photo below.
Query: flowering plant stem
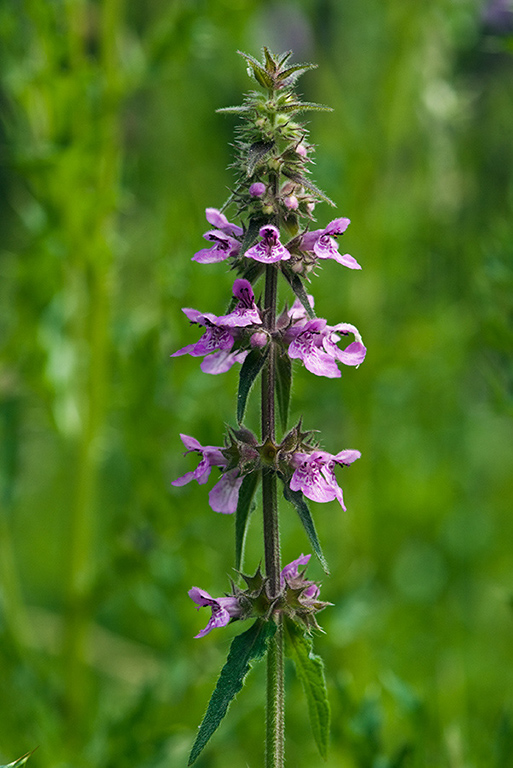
(275, 198)
(275, 715)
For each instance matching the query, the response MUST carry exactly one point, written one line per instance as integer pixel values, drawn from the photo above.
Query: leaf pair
(249, 647)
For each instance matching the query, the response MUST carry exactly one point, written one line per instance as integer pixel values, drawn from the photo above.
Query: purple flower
(224, 246)
(246, 312)
(211, 456)
(219, 220)
(269, 249)
(216, 342)
(315, 477)
(323, 244)
(315, 343)
(225, 494)
(290, 573)
(223, 239)
(223, 609)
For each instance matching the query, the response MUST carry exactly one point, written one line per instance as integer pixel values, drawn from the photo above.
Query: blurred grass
(110, 151)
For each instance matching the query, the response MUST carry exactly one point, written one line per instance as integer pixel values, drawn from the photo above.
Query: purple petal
(190, 442)
(219, 618)
(219, 220)
(200, 597)
(225, 494)
(187, 350)
(346, 260)
(183, 480)
(309, 239)
(337, 226)
(347, 457)
(291, 571)
(222, 361)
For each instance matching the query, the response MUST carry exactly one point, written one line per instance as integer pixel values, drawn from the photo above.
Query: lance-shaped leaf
(310, 670)
(283, 384)
(20, 761)
(256, 154)
(246, 648)
(240, 110)
(244, 508)
(259, 72)
(297, 286)
(298, 500)
(251, 367)
(305, 182)
(304, 106)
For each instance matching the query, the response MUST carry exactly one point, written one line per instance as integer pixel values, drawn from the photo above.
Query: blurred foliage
(110, 152)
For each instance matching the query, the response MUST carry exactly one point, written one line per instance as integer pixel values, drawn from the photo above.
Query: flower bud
(257, 189)
(258, 339)
(291, 202)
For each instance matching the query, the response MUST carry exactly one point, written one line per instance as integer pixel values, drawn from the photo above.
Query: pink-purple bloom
(315, 477)
(223, 247)
(223, 238)
(269, 249)
(223, 609)
(315, 343)
(246, 312)
(291, 572)
(323, 244)
(221, 332)
(224, 496)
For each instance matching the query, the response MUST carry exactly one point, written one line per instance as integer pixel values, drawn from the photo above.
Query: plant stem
(275, 714)
(275, 722)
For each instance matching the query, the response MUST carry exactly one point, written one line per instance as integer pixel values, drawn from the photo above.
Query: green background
(110, 150)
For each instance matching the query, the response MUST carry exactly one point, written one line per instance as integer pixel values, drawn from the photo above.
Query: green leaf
(297, 286)
(307, 184)
(251, 367)
(20, 761)
(304, 106)
(299, 69)
(244, 508)
(256, 154)
(246, 648)
(240, 110)
(298, 500)
(283, 384)
(310, 670)
(259, 72)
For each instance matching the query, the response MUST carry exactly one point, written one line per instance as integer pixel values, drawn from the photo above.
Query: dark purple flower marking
(216, 342)
(315, 477)
(246, 312)
(269, 249)
(223, 247)
(223, 609)
(323, 244)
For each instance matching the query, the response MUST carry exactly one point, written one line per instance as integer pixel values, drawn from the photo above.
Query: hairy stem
(275, 722)
(275, 715)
